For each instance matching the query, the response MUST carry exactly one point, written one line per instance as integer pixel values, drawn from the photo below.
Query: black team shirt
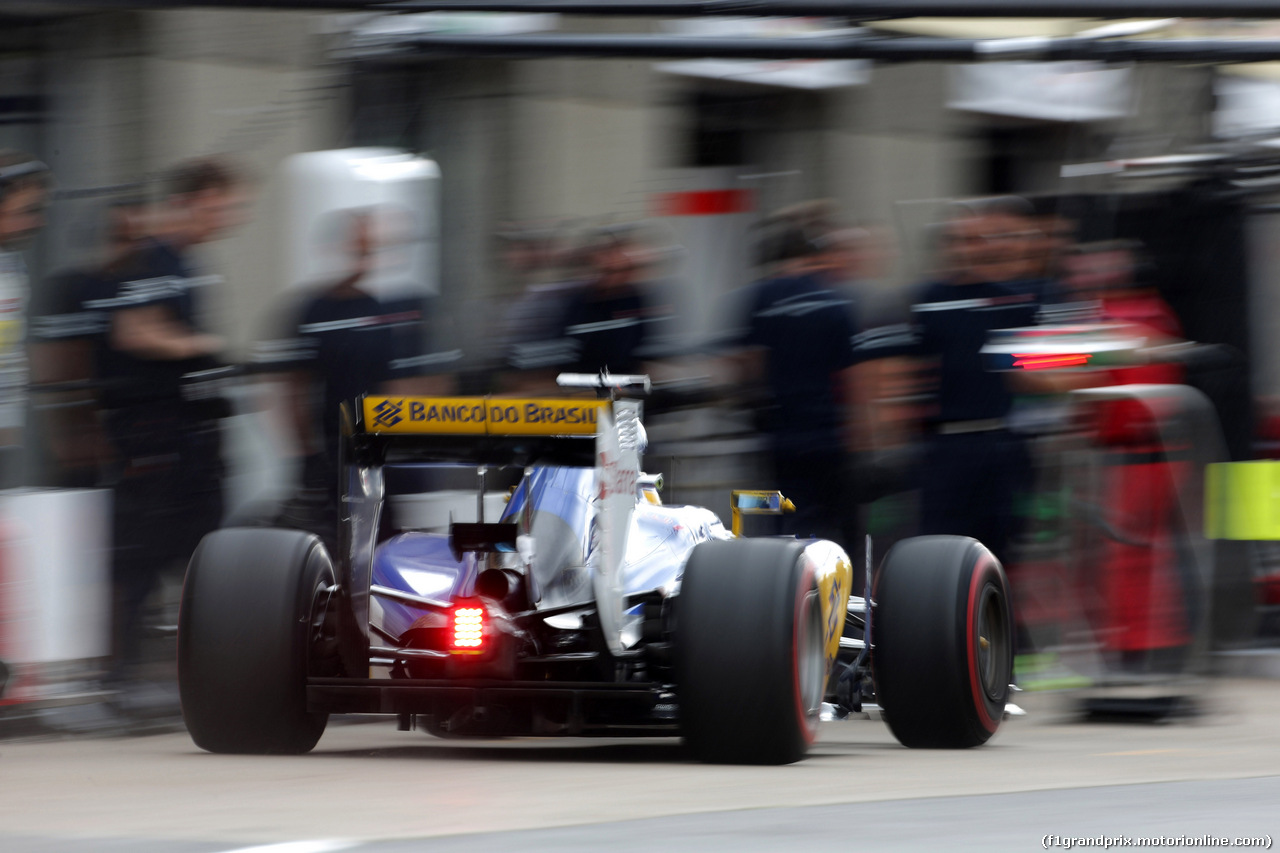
(807, 330)
(156, 275)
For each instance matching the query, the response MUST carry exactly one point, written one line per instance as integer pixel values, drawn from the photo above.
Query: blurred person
(68, 339)
(1059, 303)
(861, 257)
(884, 418)
(819, 217)
(606, 323)
(608, 320)
(801, 329)
(1057, 236)
(343, 341)
(422, 332)
(166, 440)
(531, 252)
(1107, 277)
(974, 465)
(1040, 415)
(1147, 603)
(546, 278)
(24, 190)
(1024, 238)
(1041, 411)
(1022, 266)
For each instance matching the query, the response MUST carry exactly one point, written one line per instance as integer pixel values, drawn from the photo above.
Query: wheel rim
(811, 661)
(993, 644)
(322, 629)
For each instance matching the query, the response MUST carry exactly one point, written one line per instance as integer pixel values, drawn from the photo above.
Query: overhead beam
(869, 9)
(912, 49)
(855, 9)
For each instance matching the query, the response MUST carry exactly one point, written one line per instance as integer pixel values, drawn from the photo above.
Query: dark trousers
(969, 485)
(820, 484)
(168, 495)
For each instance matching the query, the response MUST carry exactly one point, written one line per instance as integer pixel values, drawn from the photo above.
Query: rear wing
(603, 434)
(477, 430)
(495, 416)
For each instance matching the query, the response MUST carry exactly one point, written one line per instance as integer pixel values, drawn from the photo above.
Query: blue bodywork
(554, 506)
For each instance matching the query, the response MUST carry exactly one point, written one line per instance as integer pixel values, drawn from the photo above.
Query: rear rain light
(466, 628)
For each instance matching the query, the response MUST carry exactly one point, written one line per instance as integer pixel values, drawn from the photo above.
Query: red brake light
(466, 628)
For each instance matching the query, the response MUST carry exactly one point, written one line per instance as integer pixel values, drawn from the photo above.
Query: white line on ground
(326, 846)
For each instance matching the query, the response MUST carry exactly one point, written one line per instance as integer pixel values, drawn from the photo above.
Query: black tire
(942, 631)
(750, 663)
(245, 634)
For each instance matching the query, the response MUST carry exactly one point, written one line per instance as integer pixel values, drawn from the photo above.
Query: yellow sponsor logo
(479, 416)
(543, 417)
(429, 415)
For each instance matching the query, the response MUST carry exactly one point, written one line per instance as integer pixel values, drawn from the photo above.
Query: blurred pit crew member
(606, 324)
(542, 275)
(165, 434)
(1057, 236)
(24, 189)
(861, 260)
(343, 341)
(973, 465)
(1104, 277)
(1025, 248)
(1147, 605)
(68, 341)
(799, 335)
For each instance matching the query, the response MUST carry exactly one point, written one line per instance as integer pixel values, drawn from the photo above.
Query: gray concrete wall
(894, 150)
(466, 125)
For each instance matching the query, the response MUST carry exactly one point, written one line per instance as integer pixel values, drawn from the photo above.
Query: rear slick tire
(943, 642)
(750, 662)
(246, 628)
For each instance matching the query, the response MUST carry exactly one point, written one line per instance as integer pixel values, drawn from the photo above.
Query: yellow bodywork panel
(479, 416)
(833, 571)
(832, 568)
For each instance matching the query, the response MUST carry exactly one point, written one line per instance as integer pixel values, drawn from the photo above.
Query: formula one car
(588, 608)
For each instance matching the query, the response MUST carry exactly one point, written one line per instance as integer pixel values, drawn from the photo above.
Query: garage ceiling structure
(856, 42)
(864, 10)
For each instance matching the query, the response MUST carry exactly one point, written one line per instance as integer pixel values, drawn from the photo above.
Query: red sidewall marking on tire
(802, 591)
(975, 681)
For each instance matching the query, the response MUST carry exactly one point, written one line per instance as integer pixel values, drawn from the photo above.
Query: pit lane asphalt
(371, 789)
